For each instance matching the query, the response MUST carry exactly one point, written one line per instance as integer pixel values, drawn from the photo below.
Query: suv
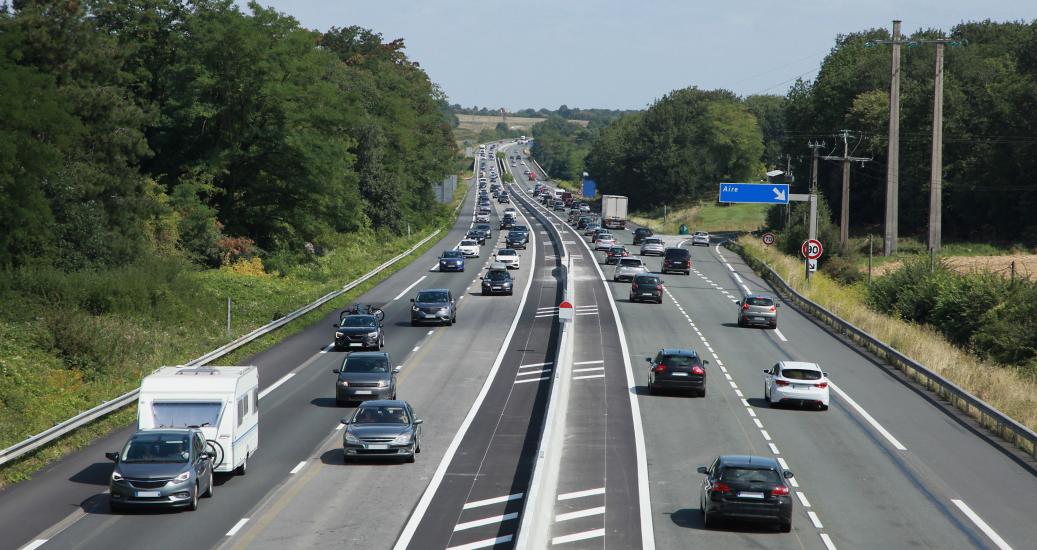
(640, 233)
(516, 239)
(433, 305)
(497, 281)
(359, 331)
(746, 487)
(365, 375)
(678, 369)
(677, 259)
(165, 467)
(758, 309)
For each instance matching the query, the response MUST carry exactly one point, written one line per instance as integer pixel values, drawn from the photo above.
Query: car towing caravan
(223, 402)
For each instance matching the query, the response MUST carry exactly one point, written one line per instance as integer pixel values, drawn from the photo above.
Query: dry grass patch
(1003, 387)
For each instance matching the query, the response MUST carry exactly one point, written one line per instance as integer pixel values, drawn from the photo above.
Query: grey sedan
(365, 375)
(627, 268)
(654, 246)
(386, 429)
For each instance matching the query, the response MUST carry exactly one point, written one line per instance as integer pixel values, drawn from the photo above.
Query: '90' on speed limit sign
(812, 249)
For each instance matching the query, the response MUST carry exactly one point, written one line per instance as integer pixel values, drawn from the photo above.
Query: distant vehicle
(515, 239)
(653, 246)
(365, 375)
(585, 207)
(583, 221)
(497, 281)
(758, 309)
(627, 268)
(677, 369)
(469, 247)
(433, 305)
(532, 176)
(359, 332)
(647, 287)
(700, 238)
(507, 222)
(485, 229)
(558, 205)
(677, 259)
(503, 198)
(222, 401)
(590, 228)
(614, 253)
(475, 235)
(509, 257)
(169, 467)
(796, 382)
(567, 198)
(614, 211)
(483, 215)
(453, 260)
(510, 211)
(604, 241)
(641, 233)
(382, 429)
(748, 488)
(523, 230)
(358, 308)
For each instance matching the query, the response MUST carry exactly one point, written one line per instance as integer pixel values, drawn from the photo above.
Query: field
(704, 217)
(477, 123)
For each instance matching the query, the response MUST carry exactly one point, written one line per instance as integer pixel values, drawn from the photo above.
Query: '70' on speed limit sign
(812, 249)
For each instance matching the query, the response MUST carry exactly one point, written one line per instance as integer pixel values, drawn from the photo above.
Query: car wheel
(785, 526)
(243, 469)
(822, 407)
(209, 490)
(410, 459)
(708, 521)
(702, 392)
(660, 300)
(651, 389)
(413, 323)
(774, 325)
(193, 505)
(115, 507)
(740, 322)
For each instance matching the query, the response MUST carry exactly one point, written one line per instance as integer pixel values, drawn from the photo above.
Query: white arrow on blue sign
(765, 193)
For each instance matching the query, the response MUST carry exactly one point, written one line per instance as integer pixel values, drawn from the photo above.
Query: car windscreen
(468, 242)
(521, 228)
(756, 301)
(181, 414)
(432, 296)
(497, 276)
(801, 374)
(630, 262)
(680, 360)
(143, 448)
(506, 252)
(452, 254)
(387, 414)
(677, 254)
(362, 364)
(750, 475)
(617, 250)
(359, 321)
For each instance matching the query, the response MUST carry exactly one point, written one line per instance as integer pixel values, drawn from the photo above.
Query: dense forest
(192, 128)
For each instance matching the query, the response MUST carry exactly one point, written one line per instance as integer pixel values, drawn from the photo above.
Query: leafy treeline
(190, 127)
(678, 149)
(990, 130)
(560, 146)
(597, 117)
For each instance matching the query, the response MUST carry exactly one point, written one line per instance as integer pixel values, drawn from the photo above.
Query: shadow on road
(98, 473)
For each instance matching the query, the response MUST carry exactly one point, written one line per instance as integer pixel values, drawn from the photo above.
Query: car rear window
(801, 374)
(468, 242)
(498, 275)
(646, 280)
(630, 262)
(754, 301)
(750, 475)
(653, 241)
(677, 254)
(680, 360)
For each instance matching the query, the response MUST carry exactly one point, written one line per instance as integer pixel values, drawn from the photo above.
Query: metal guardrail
(36, 441)
(987, 415)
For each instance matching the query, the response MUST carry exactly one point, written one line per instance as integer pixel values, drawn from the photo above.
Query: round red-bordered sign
(768, 238)
(812, 249)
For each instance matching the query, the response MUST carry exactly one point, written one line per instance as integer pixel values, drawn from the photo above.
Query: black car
(647, 288)
(746, 487)
(583, 221)
(359, 332)
(503, 198)
(382, 429)
(521, 229)
(507, 222)
(677, 369)
(485, 229)
(365, 375)
(433, 305)
(476, 235)
(497, 281)
(515, 239)
(640, 233)
(677, 259)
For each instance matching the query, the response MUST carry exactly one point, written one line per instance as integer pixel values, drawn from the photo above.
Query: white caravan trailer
(222, 401)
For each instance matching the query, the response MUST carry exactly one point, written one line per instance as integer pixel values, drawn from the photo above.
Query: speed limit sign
(768, 238)
(812, 249)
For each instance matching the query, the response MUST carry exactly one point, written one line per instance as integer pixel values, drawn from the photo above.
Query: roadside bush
(1007, 332)
(843, 269)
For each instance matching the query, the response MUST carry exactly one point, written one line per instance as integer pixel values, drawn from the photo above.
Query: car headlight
(383, 383)
(182, 477)
(116, 476)
(372, 334)
(414, 308)
(338, 335)
(343, 384)
(402, 439)
(352, 439)
(442, 310)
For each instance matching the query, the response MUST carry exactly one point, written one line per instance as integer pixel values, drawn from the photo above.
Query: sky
(625, 54)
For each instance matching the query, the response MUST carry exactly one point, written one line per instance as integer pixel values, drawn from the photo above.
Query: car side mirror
(334, 325)
(419, 421)
(705, 362)
(788, 474)
(777, 305)
(825, 374)
(344, 421)
(205, 455)
(397, 369)
(336, 371)
(648, 359)
(766, 371)
(738, 303)
(114, 457)
(412, 300)
(701, 469)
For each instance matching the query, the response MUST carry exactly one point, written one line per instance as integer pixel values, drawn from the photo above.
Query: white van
(221, 401)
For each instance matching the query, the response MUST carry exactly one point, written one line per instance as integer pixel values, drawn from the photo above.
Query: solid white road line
(416, 348)
(987, 530)
(598, 511)
(588, 313)
(589, 362)
(535, 365)
(780, 335)
(589, 369)
(237, 527)
(814, 519)
(828, 541)
(581, 494)
(874, 423)
(34, 544)
(494, 500)
(578, 536)
(524, 380)
(274, 386)
(483, 543)
(585, 377)
(803, 499)
(406, 290)
(485, 521)
(430, 332)
(747, 291)
(302, 464)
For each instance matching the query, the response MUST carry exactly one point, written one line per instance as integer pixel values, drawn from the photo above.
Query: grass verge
(704, 217)
(1008, 389)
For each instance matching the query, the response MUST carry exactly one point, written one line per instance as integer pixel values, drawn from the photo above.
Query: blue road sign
(766, 193)
(589, 189)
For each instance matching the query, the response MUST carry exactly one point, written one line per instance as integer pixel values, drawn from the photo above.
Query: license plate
(758, 319)
(678, 374)
(745, 494)
(355, 344)
(363, 392)
(381, 447)
(496, 288)
(647, 294)
(800, 386)
(147, 494)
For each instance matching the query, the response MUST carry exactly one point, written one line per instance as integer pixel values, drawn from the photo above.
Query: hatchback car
(485, 228)
(746, 487)
(433, 305)
(515, 239)
(796, 382)
(758, 309)
(582, 222)
(641, 233)
(627, 268)
(483, 215)
(476, 235)
(614, 253)
(359, 332)
(647, 287)
(523, 230)
(497, 281)
(700, 238)
(507, 222)
(604, 241)
(161, 468)
(677, 259)
(653, 246)
(677, 369)
(382, 429)
(365, 375)
(509, 257)
(590, 228)
(469, 248)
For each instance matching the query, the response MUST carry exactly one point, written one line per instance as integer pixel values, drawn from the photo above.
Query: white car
(796, 382)
(627, 268)
(482, 216)
(604, 241)
(585, 208)
(509, 257)
(700, 237)
(511, 210)
(653, 246)
(470, 248)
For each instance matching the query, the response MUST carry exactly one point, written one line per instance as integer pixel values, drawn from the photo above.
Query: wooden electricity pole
(844, 216)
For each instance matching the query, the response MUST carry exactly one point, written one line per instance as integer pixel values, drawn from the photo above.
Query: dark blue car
(451, 260)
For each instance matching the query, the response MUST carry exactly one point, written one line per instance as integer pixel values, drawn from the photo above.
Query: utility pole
(936, 179)
(889, 244)
(844, 217)
(814, 146)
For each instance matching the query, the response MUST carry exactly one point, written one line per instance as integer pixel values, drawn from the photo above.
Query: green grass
(704, 217)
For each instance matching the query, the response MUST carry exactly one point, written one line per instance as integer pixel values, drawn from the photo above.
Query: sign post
(811, 250)
(565, 311)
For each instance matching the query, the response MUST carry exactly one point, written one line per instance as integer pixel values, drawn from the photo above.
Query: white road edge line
(237, 527)
(302, 464)
(406, 290)
(34, 544)
(524, 380)
(599, 361)
(874, 423)
(803, 499)
(780, 335)
(987, 530)
(494, 500)
(274, 386)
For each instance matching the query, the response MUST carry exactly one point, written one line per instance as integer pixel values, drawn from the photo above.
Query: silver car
(382, 429)
(365, 375)
(758, 309)
(627, 268)
(700, 238)
(161, 468)
(653, 246)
